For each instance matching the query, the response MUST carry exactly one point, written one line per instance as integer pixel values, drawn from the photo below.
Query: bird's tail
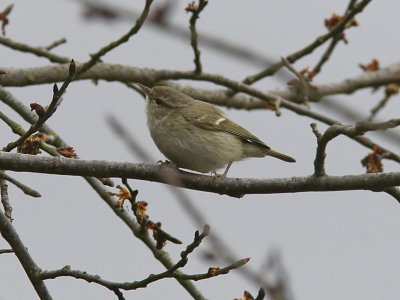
(279, 155)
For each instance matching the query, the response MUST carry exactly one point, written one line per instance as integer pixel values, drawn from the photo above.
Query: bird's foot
(167, 163)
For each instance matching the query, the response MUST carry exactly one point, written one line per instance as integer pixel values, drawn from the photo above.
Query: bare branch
(3, 251)
(5, 200)
(95, 57)
(195, 10)
(171, 272)
(4, 17)
(350, 131)
(238, 51)
(234, 187)
(123, 73)
(45, 115)
(335, 40)
(31, 269)
(38, 51)
(311, 47)
(304, 91)
(26, 189)
(161, 255)
(56, 44)
(127, 74)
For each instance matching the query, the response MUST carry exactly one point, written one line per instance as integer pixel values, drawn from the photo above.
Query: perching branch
(160, 255)
(127, 74)
(229, 186)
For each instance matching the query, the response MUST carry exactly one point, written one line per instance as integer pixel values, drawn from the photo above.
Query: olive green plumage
(196, 135)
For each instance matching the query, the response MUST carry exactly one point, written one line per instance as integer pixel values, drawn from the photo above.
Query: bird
(196, 135)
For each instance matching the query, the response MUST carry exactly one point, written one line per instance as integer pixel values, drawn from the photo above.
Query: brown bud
(332, 21)
(39, 110)
(32, 144)
(371, 67)
(373, 161)
(391, 89)
(191, 7)
(72, 68)
(67, 151)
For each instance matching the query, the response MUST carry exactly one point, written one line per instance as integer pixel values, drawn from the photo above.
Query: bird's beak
(146, 90)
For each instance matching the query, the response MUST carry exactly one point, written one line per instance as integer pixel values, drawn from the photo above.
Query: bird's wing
(212, 118)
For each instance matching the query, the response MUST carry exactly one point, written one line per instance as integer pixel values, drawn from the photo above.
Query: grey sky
(341, 245)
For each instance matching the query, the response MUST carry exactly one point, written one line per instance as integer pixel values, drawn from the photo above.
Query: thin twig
(19, 107)
(3, 251)
(95, 57)
(379, 107)
(193, 32)
(350, 131)
(161, 255)
(4, 17)
(309, 48)
(57, 93)
(327, 54)
(304, 89)
(171, 272)
(238, 51)
(38, 51)
(26, 189)
(55, 44)
(335, 40)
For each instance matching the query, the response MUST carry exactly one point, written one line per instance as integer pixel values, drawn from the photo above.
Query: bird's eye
(158, 101)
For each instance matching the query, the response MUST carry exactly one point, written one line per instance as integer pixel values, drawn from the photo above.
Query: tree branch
(31, 269)
(127, 74)
(311, 47)
(160, 255)
(95, 57)
(123, 73)
(195, 10)
(57, 93)
(5, 200)
(38, 51)
(171, 272)
(350, 131)
(26, 189)
(230, 186)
